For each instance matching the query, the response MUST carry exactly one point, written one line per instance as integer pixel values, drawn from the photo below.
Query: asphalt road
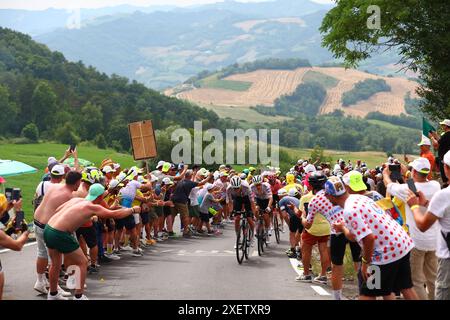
(200, 268)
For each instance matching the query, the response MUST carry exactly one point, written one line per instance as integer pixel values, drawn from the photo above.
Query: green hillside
(36, 155)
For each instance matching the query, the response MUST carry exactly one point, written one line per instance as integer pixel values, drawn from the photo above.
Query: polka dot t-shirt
(320, 204)
(363, 217)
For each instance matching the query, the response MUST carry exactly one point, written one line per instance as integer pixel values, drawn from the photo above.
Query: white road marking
(200, 251)
(214, 251)
(26, 245)
(321, 291)
(229, 251)
(165, 251)
(294, 264)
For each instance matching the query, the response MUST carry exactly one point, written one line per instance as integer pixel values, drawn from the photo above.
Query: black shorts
(127, 222)
(338, 244)
(239, 201)
(394, 277)
(295, 224)
(276, 199)
(204, 217)
(167, 211)
(110, 225)
(262, 203)
(145, 217)
(159, 211)
(89, 235)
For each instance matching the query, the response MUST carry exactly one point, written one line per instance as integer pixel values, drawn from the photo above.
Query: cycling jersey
(275, 186)
(265, 191)
(320, 204)
(243, 191)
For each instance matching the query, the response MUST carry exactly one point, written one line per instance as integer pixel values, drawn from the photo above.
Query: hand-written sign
(143, 140)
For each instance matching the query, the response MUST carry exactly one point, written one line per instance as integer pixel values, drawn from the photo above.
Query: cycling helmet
(243, 176)
(293, 192)
(235, 182)
(257, 180)
(252, 169)
(246, 171)
(317, 180)
(282, 192)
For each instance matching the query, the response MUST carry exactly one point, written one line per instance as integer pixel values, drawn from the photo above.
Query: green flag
(427, 127)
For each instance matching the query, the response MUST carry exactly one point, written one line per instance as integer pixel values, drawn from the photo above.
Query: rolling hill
(163, 49)
(265, 86)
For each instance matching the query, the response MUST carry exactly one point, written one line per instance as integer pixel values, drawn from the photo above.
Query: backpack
(37, 200)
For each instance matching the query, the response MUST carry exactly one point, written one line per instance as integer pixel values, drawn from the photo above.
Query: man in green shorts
(59, 238)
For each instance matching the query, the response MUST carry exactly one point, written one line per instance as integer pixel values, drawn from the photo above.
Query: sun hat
(58, 170)
(446, 122)
(335, 187)
(421, 165)
(354, 180)
(95, 191)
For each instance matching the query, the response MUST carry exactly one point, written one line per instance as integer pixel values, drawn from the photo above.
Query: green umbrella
(10, 168)
(82, 162)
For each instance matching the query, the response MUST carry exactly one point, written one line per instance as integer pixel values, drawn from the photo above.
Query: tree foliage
(363, 90)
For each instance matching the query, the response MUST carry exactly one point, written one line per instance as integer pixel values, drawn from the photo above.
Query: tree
(31, 132)
(44, 108)
(417, 29)
(100, 141)
(91, 121)
(66, 134)
(8, 111)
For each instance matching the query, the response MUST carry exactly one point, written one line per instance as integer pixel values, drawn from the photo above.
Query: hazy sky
(44, 4)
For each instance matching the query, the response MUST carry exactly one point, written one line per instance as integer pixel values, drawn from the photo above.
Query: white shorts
(137, 218)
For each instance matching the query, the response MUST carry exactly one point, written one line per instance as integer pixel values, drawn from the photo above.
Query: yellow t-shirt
(136, 202)
(320, 226)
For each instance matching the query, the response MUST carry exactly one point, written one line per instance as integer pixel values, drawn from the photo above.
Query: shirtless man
(58, 235)
(56, 195)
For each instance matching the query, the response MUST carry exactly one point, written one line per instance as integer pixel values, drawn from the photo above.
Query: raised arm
(102, 212)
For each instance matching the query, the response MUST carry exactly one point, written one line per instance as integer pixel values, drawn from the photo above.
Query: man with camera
(423, 256)
(17, 225)
(438, 210)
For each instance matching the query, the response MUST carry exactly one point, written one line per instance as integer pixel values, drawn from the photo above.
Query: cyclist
(287, 202)
(251, 174)
(262, 195)
(239, 194)
(275, 185)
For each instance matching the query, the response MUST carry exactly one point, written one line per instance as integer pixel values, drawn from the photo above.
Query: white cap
(447, 158)
(446, 122)
(167, 181)
(421, 165)
(425, 142)
(305, 163)
(216, 175)
(153, 178)
(282, 192)
(300, 161)
(160, 164)
(209, 186)
(310, 168)
(121, 176)
(222, 167)
(58, 170)
(108, 169)
(116, 166)
(51, 160)
(113, 183)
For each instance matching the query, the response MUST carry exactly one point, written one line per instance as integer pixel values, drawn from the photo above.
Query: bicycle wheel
(248, 237)
(276, 227)
(240, 244)
(259, 237)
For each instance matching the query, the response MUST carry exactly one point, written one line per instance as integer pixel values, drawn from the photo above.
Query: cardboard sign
(143, 140)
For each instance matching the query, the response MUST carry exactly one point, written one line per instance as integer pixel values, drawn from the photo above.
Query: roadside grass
(36, 155)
